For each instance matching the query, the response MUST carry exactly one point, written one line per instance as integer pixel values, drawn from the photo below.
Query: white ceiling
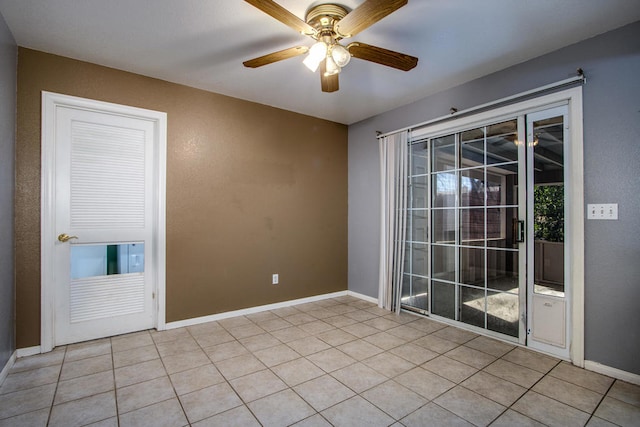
(202, 43)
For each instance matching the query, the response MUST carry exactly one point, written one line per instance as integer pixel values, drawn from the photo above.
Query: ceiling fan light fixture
(331, 67)
(327, 24)
(317, 53)
(340, 55)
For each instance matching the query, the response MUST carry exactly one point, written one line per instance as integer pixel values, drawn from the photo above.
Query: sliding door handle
(520, 232)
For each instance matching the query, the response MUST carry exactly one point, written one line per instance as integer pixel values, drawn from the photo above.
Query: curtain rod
(581, 78)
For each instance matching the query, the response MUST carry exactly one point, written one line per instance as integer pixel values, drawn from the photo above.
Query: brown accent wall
(251, 190)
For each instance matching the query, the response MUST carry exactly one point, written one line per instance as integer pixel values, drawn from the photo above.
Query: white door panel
(103, 187)
(548, 320)
(104, 181)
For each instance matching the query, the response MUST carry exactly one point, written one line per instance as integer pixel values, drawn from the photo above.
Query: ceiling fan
(327, 24)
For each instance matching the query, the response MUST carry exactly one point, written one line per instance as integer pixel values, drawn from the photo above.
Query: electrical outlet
(607, 211)
(274, 279)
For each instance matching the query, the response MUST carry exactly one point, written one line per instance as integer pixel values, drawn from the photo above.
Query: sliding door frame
(574, 182)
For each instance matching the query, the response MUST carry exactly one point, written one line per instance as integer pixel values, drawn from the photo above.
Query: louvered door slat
(108, 176)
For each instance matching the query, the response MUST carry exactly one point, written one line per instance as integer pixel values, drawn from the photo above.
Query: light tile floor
(341, 362)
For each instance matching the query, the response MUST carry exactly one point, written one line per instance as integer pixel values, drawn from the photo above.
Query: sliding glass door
(495, 223)
(486, 226)
(463, 252)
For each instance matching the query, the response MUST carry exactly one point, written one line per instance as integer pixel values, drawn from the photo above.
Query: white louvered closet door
(104, 202)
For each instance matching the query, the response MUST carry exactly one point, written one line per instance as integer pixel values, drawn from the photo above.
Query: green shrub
(548, 213)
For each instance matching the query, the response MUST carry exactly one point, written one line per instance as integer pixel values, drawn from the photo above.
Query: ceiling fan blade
(365, 15)
(329, 83)
(276, 56)
(283, 15)
(382, 56)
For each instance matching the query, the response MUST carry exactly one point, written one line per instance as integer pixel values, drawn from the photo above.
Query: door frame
(50, 103)
(574, 183)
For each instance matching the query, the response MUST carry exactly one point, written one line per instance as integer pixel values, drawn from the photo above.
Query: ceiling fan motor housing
(323, 17)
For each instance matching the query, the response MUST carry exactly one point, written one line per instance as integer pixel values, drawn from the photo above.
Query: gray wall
(611, 108)
(8, 70)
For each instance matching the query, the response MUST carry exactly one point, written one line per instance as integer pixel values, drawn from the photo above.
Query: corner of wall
(8, 96)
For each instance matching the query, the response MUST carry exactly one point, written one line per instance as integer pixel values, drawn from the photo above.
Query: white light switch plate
(602, 211)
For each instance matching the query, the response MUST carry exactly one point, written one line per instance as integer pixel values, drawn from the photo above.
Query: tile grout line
(115, 387)
(359, 394)
(251, 352)
(226, 380)
(593, 414)
(184, 412)
(387, 378)
(53, 399)
(440, 394)
(531, 389)
(94, 373)
(477, 370)
(506, 408)
(143, 381)
(528, 389)
(352, 364)
(336, 379)
(291, 388)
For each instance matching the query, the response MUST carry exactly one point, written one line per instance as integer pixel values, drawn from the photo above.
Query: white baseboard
(7, 367)
(612, 372)
(252, 310)
(29, 351)
(362, 296)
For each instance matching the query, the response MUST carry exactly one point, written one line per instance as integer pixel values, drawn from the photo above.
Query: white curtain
(393, 213)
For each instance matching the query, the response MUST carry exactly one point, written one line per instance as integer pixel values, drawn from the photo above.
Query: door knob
(65, 237)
